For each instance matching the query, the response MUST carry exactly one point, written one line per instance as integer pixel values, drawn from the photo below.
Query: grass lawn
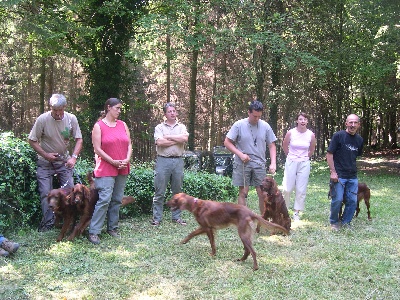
(149, 263)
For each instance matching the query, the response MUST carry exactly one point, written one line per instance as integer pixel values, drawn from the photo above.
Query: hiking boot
(180, 222)
(45, 228)
(3, 252)
(10, 246)
(114, 233)
(94, 239)
(335, 227)
(154, 223)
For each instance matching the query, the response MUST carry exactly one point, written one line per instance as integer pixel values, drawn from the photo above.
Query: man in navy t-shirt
(343, 150)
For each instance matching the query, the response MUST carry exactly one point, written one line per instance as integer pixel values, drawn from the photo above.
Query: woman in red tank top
(113, 149)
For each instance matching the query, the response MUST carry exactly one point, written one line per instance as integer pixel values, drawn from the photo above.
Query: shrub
(198, 184)
(19, 199)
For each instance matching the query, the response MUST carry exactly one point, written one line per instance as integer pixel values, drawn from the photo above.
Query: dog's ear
(86, 192)
(274, 185)
(71, 197)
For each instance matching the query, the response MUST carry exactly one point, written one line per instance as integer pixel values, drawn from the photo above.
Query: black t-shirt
(345, 149)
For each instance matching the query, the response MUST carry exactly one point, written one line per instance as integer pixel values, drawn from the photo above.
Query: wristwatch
(74, 155)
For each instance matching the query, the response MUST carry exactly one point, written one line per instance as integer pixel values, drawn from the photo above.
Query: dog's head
(57, 199)
(269, 185)
(80, 194)
(181, 201)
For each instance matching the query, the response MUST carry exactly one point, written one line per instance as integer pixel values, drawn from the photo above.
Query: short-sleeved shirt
(252, 139)
(345, 149)
(165, 129)
(299, 145)
(54, 135)
(114, 142)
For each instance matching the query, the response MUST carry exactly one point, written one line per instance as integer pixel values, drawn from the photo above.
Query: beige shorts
(251, 174)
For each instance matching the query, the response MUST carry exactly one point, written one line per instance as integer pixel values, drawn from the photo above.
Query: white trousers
(295, 178)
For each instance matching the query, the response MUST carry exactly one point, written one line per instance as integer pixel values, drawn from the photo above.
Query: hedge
(20, 202)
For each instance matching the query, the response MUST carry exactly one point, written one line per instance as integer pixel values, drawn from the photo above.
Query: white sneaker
(296, 216)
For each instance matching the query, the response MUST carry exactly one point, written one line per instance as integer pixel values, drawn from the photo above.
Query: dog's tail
(127, 200)
(272, 227)
(90, 179)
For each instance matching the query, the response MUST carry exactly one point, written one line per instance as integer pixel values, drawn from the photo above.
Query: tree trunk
(168, 43)
(42, 84)
(192, 99)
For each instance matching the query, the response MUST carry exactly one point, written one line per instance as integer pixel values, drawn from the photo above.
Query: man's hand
(70, 162)
(51, 156)
(334, 177)
(244, 158)
(272, 168)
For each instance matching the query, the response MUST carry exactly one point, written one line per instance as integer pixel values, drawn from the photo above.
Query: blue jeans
(2, 239)
(111, 191)
(347, 189)
(167, 170)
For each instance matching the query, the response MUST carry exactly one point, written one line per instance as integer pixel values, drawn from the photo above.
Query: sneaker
(3, 252)
(296, 216)
(154, 223)
(335, 227)
(94, 239)
(180, 222)
(347, 226)
(10, 246)
(113, 233)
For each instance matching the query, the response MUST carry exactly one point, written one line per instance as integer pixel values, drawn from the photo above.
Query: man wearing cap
(51, 137)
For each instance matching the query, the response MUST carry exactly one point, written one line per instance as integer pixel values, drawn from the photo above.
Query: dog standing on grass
(364, 193)
(212, 215)
(275, 208)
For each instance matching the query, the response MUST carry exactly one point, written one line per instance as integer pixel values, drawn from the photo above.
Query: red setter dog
(59, 202)
(363, 193)
(84, 200)
(80, 204)
(213, 215)
(274, 205)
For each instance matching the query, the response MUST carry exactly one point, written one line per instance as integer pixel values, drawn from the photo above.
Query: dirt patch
(387, 161)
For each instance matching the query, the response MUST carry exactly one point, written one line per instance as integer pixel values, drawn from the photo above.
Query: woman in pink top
(112, 146)
(299, 146)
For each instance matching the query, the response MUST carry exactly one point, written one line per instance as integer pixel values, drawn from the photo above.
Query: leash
(77, 176)
(332, 186)
(12, 207)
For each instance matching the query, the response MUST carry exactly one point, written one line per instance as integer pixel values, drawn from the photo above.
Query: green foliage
(140, 185)
(209, 186)
(19, 200)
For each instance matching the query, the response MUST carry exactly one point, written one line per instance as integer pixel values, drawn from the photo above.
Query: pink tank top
(299, 144)
(114, 142)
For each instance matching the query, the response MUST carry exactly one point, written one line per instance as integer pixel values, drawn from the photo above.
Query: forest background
(328, 58)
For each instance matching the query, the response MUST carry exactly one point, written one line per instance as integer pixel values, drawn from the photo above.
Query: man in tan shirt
(52, 137)
(170, 138)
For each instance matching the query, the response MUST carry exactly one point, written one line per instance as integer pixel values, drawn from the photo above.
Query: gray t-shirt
(252, 139)
(54, 135)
